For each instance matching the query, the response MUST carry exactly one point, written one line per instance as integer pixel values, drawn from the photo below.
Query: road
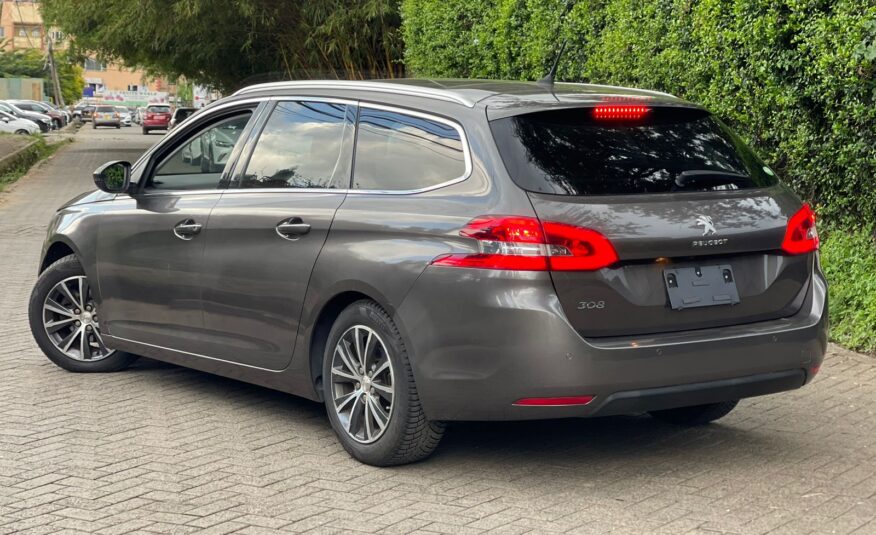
(161, 449)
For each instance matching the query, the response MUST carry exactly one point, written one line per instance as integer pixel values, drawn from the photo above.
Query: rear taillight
(527, 244)
(801, 236)
(613, 112)
(149, 116)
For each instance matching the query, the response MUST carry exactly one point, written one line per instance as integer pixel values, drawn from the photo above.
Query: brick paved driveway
(161, 449)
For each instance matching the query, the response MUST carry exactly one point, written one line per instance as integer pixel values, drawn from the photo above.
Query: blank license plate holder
(701, 286)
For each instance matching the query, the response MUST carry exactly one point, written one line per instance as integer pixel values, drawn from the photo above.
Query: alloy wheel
(71, 321)
(362, 384)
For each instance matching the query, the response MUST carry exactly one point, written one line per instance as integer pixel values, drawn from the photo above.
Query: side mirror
(6, 119)
(113, 177)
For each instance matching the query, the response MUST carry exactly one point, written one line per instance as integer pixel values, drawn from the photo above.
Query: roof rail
(653, 92)
(380, 87)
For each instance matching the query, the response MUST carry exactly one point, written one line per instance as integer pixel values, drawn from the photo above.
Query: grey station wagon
(416, 252)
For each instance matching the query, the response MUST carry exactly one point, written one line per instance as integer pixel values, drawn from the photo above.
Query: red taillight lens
(148, 116)
(554, 402)
(577, 249)
(504, 229)
(801, 236)
(620, 111)
(525, 243)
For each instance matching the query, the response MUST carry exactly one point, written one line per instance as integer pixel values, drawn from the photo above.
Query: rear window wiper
(708, 179)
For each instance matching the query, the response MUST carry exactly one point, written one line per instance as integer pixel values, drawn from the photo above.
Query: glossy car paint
(225, 301)
(155, 120)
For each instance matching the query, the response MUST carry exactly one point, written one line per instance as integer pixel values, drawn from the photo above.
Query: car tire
(103, 359)
(22, 132)
(145, 131)
(57, 124)
(407, 435)
(697, 414)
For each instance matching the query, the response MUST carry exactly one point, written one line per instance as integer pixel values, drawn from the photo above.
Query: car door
(268, 229)
(151, 244)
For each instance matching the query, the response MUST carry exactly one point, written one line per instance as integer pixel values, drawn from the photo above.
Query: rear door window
(573, 152)
(403, 152)
(303, 145)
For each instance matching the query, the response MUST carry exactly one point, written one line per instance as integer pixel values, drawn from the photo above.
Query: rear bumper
(107, 122)
(668, 397)
(156, 124)
(481, 340)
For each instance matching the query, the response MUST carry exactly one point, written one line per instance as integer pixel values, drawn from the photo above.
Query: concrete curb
(12, 159)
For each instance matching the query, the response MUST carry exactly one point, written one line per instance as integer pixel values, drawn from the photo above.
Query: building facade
(22, 27)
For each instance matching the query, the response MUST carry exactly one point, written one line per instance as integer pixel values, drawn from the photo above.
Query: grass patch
(848, 257)
(24, 161)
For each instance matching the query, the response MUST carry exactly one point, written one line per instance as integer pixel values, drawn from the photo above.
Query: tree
(31, 63)
(225, 43)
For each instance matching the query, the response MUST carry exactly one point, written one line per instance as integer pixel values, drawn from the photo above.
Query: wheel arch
(323, 326)
(56, 251)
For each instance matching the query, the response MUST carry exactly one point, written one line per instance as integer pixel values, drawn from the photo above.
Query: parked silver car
(417, 252)
(105, 115)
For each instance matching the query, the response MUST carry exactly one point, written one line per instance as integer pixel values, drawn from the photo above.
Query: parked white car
(124, 115)
(11, 124)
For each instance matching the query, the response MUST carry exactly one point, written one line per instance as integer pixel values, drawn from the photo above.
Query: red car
(157, 117)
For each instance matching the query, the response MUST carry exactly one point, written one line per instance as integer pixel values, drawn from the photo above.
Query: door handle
(292, 228)
(186, 229)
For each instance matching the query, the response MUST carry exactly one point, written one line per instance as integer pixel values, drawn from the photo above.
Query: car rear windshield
(158, 109)
(572, 152)
(105, 109)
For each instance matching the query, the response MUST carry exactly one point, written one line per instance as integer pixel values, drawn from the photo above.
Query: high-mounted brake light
(527, 244)
(801, 236)
(620, 111)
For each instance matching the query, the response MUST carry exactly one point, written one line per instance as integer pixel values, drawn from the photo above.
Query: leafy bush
(849, 261)
(797, 78)
(15, 168)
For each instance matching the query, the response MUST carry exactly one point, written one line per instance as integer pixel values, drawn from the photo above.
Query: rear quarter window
(397, 151)
(572, 152)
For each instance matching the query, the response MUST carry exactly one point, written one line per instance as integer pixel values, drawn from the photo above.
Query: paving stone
(162, 449)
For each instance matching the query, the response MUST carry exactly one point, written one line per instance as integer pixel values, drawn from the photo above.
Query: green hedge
(849, 261)
(796, 78)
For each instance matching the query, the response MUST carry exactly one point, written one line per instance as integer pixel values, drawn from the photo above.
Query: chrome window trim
(466, 151)
(378, 87)
(236, 191)
(178, 192)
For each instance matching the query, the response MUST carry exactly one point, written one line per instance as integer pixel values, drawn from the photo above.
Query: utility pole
(56, 83)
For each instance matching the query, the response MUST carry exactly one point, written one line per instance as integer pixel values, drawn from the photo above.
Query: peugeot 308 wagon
(417, 252)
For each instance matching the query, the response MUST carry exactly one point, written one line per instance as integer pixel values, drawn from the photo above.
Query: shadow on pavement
(598, 445)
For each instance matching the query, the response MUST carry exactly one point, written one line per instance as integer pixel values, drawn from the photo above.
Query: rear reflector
(527, 244)
(801, 236)
(554, 402)
(620, 111)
